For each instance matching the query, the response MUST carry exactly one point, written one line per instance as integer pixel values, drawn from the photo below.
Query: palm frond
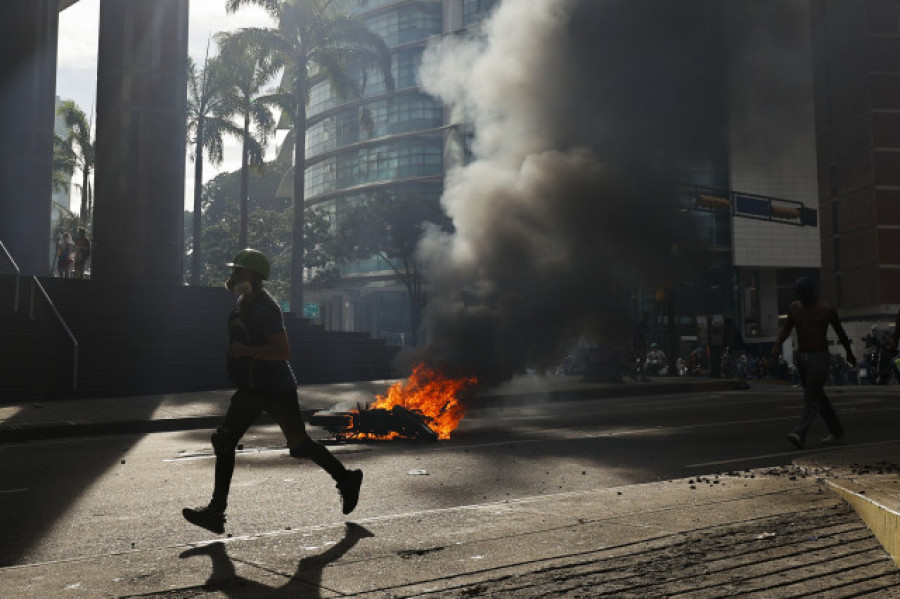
(255, 153)
(272, 7)
(64, 161)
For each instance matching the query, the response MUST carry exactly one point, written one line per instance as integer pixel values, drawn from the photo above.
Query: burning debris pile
(425, 406)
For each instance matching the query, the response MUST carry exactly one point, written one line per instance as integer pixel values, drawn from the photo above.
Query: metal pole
(36, 282)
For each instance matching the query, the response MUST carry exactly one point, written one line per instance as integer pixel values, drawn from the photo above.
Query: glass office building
(392, 143)
(401, 142)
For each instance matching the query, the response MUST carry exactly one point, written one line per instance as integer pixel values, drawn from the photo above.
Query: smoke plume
(580, 113)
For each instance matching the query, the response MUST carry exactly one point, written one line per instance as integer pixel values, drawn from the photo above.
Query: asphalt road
(74, 498)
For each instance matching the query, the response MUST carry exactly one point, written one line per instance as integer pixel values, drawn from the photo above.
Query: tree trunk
(297, 246)
(90, 208)
(85, 173)
(198, 212)
(245, 186)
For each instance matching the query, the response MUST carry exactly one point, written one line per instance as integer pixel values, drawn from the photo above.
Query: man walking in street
(258, 366)
(811, 318)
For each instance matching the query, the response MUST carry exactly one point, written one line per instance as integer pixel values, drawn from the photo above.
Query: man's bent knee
(223, 441)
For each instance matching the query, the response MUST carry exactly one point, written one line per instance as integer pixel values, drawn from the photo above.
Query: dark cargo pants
(245, 407)
(813, 369)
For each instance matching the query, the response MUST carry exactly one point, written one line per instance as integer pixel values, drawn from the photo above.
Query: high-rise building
(771, 149)
(857, 76)
(388, 142)
(751, 179)
(759, 158)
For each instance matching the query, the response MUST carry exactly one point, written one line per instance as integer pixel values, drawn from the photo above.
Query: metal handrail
(18, 274)
(34, 281)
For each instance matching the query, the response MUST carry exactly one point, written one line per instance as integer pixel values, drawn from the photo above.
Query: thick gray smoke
(582, 111)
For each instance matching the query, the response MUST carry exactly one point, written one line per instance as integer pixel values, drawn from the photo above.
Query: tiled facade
(857, 69)
(772, 152)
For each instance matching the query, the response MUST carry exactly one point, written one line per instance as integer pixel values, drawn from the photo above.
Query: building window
(395, 159)
(477, 10)
(401, 113)
(407, 23)
(404, 68)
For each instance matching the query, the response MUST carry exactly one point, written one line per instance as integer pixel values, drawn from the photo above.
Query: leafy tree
(272, 235)
(80, 151)
(64, 160)
(207, 121)
(389, 226)
(315, 42)
(247, 71)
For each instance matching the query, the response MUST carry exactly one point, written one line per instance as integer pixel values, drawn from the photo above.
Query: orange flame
(433, 395)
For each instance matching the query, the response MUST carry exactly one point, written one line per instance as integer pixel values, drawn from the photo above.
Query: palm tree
(247, 69)
(207, 121)
(80, 151)
(64, 160)
(315, 43)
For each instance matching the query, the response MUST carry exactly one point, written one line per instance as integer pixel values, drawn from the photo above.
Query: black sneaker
(831, 439)
(349, 489)
(205, 517)
(795, 440)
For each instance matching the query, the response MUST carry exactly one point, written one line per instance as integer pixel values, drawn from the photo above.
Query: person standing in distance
(811, 317)
(258, 365)
(83, 254)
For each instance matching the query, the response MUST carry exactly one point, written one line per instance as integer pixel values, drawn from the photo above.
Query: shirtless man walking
(811, 318)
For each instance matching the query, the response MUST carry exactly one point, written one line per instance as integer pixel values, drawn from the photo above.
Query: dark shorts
(284, 406)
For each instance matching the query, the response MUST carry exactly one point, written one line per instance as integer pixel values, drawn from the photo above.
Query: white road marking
(209, 455)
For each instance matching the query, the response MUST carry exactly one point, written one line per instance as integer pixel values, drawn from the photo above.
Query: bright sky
(76, 77)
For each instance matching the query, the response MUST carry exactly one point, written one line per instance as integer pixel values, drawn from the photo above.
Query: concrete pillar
(139, 178)
(28, 41)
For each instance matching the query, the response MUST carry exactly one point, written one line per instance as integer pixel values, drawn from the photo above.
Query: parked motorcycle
(656, 367)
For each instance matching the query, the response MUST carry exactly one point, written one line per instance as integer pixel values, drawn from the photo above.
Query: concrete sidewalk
(764, 533)
(701, 535)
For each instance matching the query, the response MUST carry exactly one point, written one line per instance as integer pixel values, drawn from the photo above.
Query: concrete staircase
(136, 340)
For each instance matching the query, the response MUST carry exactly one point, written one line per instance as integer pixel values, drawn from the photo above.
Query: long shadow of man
(306, 581)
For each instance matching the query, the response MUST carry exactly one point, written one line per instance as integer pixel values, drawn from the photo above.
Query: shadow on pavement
(31, 505)
(305, 582)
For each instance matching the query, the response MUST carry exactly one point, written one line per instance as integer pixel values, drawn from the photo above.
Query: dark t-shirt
(85, 244)
(253, 323)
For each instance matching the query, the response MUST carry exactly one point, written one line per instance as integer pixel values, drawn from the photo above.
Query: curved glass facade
(416, 156)
(407, 22)
(400, 113)
(386, 135)
(386, 142)
(404, 65)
